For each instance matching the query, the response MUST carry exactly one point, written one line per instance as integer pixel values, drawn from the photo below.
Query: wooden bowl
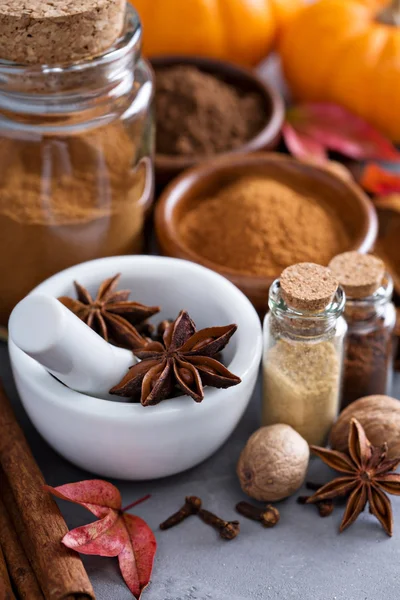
(169, 166)
(349, 202)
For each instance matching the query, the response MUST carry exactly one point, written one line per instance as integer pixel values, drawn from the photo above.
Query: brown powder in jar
(368, 363)
(259, 226)
(197, 113)
(64, 201)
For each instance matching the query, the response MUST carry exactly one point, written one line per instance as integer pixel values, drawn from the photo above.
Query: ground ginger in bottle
(303, 351)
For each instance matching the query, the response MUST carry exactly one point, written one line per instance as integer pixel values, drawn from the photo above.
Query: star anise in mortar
(111, 314)
(184, 360)
(367, 476)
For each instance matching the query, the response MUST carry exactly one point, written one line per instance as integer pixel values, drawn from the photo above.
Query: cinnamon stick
(58, 569)
(20, 570)
(6, 592)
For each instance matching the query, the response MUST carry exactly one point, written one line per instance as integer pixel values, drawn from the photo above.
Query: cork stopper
(307, 286)
(58, 31)
(359, 274)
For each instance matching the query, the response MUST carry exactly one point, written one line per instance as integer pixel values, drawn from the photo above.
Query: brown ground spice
(199, 114)
(260, 226)
(368, 364)
(64, 201)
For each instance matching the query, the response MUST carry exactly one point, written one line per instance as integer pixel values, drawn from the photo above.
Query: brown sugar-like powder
(259, 226)
(64, 201)
(197, 113)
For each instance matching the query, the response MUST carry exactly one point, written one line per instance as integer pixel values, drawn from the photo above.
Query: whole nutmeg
(273, 464)
(380, 417)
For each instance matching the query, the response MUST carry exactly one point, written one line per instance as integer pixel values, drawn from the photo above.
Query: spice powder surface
(301, 387)
(64, 201)
(259, 226)
(199, 114)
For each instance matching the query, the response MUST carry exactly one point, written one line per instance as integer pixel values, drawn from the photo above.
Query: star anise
(367, 476)
(183, 360)
(111, 314)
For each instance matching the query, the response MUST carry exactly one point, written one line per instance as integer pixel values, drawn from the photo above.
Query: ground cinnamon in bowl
(258, 226)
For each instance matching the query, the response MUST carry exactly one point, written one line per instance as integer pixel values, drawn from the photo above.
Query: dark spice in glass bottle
(371, 319)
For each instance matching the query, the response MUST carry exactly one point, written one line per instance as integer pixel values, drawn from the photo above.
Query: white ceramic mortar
(129, 441)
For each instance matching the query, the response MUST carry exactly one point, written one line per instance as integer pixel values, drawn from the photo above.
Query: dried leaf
(114, 534)
(303, 146)
(332, 127)
(377, 180)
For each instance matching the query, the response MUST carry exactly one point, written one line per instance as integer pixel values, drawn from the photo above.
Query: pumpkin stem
(390, 15)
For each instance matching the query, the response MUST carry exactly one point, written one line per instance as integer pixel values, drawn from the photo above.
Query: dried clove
(228, 530)
(325, 507)
(311, 485)
(302, 499)
(191, 507)
(268, 516)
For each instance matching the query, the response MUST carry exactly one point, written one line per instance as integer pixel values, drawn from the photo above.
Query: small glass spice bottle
(371, 319)
(303, 351)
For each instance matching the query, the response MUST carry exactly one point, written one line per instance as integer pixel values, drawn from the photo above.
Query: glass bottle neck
(45, 98)
(303, 323)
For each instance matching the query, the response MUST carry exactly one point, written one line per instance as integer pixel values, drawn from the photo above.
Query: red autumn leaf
(332, 127)
(377, 180)
(302, 146)
(114, 534)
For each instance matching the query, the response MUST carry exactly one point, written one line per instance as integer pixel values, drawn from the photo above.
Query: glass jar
(368, 368)
(302, 365)
(76, 163)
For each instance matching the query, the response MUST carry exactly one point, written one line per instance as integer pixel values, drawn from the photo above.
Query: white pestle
(50, 333)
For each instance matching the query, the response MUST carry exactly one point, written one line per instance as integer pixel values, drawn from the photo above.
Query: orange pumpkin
(242, 31)
(347, 52)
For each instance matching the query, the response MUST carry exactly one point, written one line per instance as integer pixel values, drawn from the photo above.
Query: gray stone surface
(303, 558)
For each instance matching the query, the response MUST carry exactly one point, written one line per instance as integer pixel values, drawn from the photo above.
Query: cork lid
(359, 274)
(307, 286)
(58, 31)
